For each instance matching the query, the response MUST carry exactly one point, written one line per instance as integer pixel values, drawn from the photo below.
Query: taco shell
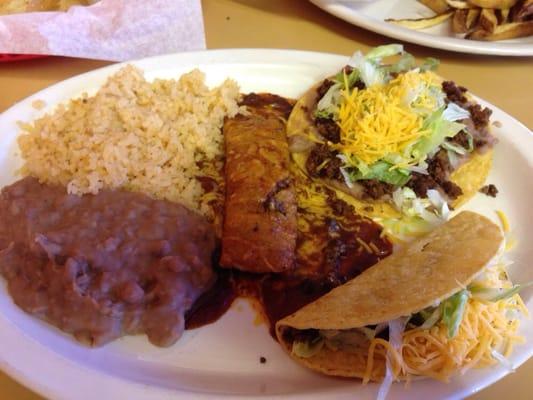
(421, 274)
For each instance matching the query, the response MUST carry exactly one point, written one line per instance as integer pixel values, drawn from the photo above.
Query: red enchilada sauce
(343, 257)
(344, 245)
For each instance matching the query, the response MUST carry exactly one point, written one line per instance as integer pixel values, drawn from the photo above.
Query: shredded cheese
(486, 326)
(504, 220)
(379, 120)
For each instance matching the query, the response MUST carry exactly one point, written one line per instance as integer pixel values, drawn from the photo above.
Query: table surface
(297, 24)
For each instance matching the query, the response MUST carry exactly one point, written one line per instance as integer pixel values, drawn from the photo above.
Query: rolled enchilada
(260, 225)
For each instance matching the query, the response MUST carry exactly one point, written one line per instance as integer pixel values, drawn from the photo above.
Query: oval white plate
(223, 358)
(371, 15)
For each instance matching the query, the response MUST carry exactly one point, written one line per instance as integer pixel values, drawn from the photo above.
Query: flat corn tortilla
(470, 176)
(421, 274)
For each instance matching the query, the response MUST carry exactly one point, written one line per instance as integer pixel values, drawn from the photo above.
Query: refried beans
(106, 265)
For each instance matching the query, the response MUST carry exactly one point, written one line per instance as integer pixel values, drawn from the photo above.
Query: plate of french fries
(498, 27)
(24, 6)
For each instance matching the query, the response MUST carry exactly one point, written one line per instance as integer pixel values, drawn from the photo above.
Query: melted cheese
(379, 120)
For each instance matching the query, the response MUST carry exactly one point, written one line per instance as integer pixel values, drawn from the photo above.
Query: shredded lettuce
(496, 294)
(424, 90)
(439, 129)
(455, 159)
(346, 177)
(366, 68)
(351, 78)
(406, 228)
(384, 51)
(502, 360)
(454, 147)
(325, 113)
(370, 70)
(452, 311)
(457, 149)
(430, 64)
(440, 124)
(328, 105)
(347, 338)
(396, 329)
(382, 171)
(434, 209)
(439, 203)
(307, 349)
(418, 216)
(455, 113)
(432, 319)
(405, 63)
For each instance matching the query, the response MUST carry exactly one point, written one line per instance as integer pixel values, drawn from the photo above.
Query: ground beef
(329, 129)
(451, 189)
(421, 183)
(359, 84)
(480, 116)
(317, 166)
(480, 141)
(317, 156)
(375, 189)
(323, 88)
(339, 207)
(454, 93)
(461, 139)
(489, 190)
(439, 167)
(348, 69)
(332, 169)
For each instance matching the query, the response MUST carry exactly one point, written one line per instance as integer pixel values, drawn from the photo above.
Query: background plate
(223, 358)
(371, 15)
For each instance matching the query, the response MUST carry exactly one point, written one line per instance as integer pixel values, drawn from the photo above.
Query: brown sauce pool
(334, 248)
(283, 294)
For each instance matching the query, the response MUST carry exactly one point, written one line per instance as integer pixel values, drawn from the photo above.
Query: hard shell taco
(441, 305)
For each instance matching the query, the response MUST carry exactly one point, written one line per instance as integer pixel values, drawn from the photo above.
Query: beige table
(297, 24)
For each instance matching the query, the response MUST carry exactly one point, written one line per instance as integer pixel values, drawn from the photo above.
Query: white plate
(371, 14)
(223, 358)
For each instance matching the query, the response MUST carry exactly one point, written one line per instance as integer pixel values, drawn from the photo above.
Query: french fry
(459, 4)
(421, 23)
(459, 21)
(472, 18)
(522, 11)
(503, 15)
(511, 30)
(437, 6)
(498, 4)
(488, 20)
